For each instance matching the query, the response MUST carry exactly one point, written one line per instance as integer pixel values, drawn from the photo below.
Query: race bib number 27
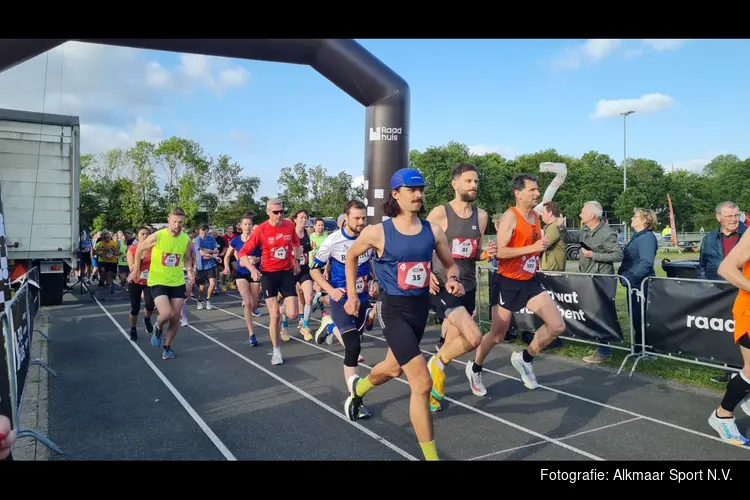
(413, 275)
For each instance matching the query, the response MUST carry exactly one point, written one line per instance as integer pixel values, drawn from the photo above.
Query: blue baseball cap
(408, 177)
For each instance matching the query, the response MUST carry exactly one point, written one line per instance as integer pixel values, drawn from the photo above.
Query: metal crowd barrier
(593, 320)
(682, 319)
(689, 320)
(18, 323)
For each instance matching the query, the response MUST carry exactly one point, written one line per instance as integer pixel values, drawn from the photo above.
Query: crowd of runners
(397, 270)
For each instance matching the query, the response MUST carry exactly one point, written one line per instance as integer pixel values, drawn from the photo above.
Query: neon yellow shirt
(167, 259)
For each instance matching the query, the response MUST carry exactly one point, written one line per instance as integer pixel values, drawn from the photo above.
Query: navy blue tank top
(406, 263)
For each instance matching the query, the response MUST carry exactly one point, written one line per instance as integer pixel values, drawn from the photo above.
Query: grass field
(660, 367)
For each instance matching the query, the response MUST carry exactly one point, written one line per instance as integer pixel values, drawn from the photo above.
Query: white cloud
(482, 149)
(649, 103)
(358, 180)
(661, 44)
(590, 51)
(594, 50)
(112, 89)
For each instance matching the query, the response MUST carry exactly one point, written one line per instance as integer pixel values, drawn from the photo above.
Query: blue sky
(513, 96)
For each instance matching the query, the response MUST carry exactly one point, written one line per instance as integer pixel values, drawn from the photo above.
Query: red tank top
(524, 267)
(145, 265)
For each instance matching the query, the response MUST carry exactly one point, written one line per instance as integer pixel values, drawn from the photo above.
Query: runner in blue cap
(403, 245)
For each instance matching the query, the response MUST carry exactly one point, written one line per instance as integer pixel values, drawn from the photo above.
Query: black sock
(737, 390)
(527, 357)
(476, 368)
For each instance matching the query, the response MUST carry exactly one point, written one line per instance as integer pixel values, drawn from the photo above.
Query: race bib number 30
(463, 248)
(413, 275)
(170, 260)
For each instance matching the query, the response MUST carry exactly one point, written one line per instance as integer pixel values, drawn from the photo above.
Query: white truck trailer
(39, 183)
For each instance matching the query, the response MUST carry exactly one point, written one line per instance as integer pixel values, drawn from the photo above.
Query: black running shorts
(403, 320)
(171, 292)
(279, 282)
(449, 301)
(513, 295)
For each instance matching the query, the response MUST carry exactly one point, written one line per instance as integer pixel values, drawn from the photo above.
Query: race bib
(110, 253)
(413, 275)
(530, 265)
(302, 259)
(360, 284)
(170, 260)
(463, 248)
(279, 253)
(144, 275)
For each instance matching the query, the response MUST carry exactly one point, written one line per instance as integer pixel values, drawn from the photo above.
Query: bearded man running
(335, 250)
(168, 248)
(403, 246)
(464, 225)
(520, 242)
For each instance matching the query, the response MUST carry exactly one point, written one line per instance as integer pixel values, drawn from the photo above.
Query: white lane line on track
(453, 401)
(570, 436)
(579, 398)
(198, 420)
(339, 414)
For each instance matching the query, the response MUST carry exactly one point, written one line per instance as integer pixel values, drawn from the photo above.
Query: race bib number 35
(170, 260)
(413, 275)
(463, 248)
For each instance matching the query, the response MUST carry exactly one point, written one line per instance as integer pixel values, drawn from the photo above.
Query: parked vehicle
(39, 182)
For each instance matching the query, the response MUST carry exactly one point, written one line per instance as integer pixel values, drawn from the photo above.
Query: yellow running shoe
(434, 404)
(438, 378)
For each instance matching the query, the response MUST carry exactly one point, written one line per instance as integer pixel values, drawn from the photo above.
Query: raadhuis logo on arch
(385, 133)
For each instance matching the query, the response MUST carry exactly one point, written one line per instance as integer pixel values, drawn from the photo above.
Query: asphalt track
(221, 399)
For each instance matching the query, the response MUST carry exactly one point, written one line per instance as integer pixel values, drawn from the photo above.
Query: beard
(469, 196)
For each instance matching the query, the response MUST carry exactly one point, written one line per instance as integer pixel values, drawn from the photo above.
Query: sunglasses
(277, 212)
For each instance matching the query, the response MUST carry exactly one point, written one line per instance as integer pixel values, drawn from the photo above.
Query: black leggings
(134, 291)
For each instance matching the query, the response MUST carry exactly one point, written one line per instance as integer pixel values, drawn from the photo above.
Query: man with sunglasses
(280, 257)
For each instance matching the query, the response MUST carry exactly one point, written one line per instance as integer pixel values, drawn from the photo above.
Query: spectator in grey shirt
(599, 252)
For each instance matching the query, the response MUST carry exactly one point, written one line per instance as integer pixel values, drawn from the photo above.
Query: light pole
(625, 161)
(625, 148)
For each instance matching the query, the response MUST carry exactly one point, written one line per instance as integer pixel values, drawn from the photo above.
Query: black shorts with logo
(279, 282)
(448, 301)
(513, 295)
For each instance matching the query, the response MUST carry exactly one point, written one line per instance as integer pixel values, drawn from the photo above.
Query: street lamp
(625, 161)
(625, 148)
